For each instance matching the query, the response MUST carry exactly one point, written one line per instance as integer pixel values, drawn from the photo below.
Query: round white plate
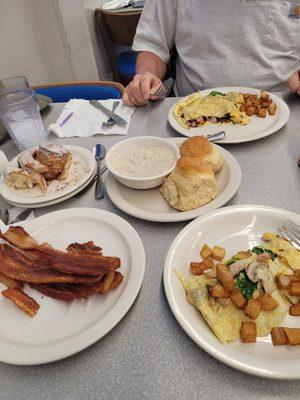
(256, 129)
(234, 228)
(151, 206)
(61, 329)
(79, 153)
(59, 200)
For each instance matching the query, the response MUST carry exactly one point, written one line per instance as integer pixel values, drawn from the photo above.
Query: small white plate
(26, 198)
(234, 228)
(257, 128)
(151, 206)
(51, 203)
(61, 329)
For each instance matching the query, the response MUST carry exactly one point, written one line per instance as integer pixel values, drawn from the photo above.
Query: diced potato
(225, 277)
(295, 278)
(297, 272)
(266, 103)
(198, 268)
(283, 281)
(278, 336)
(264, 95)
(253, 308)
(248, 332)
(219, 291)
(295, 289)
(262, 113)
(272, 109)
(267, 237)
(206, 251)
(268, 303)
(238, 299)
(218, 253)
(295, 309)
(250, 111)
(293, 336)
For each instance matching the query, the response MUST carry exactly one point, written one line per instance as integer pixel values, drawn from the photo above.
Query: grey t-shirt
(253, 43)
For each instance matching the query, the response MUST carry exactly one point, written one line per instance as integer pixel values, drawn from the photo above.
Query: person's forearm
(149, 62)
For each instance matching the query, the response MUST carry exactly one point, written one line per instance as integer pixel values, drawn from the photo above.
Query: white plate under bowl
(257, 128)
(16, 197)
(234, 228)
(59, 200)
(151, 206)
(61, 329)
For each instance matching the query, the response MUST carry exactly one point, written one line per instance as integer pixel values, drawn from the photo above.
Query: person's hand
(294, 82)
(140, 90)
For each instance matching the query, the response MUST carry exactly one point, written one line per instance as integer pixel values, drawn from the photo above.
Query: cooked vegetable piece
(206, 251)
(241, 255)
(283, 281)
(218, 253)
(198, 268)
(225, 277)
(248, 332)
(219, 291)
(272, 109)
(278, 336)
(267, 237)
(293, 336)
(264, 95)
(259, 250)
(268, 303)
(253, 308)
(238, 299)
(295, 289)
(297, 272)
(232, 260)
(244, 284)
(215, 93)
(295, 309)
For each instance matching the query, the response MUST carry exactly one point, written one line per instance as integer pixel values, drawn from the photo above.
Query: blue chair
(117, 30)
(63, 92)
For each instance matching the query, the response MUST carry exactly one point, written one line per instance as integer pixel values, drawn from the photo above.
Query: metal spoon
(110, 121)
(99, 154)
(4, 215)
(216, 136)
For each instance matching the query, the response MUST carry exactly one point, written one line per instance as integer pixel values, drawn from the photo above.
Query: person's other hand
(294, 82)
(140, 90)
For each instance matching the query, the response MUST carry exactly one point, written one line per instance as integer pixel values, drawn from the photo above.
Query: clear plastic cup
(13, 82)
(20, 114)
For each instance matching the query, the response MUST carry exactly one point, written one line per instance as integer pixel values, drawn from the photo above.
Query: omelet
(225, 322)
(288, 254)
(211, 107)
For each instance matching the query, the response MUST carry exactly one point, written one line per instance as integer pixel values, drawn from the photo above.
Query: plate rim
(204, 345)
(285, 109)
(115, 314)
(28, 200)
(185, 215)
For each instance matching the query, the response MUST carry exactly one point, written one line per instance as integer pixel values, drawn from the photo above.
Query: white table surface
(147, 355)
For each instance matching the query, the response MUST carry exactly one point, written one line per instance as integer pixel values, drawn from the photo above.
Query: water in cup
(21, 117)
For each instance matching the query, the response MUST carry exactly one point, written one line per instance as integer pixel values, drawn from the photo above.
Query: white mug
(3, 161)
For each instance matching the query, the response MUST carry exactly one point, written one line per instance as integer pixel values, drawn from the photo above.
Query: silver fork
(290, 231)
(164, 89)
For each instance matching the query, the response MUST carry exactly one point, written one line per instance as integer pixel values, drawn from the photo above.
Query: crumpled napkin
(80, 118)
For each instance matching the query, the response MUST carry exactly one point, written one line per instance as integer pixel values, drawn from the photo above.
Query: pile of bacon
(79, 272)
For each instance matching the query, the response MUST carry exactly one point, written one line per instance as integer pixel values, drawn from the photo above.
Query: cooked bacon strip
(17, 266)
(87, 264)
(84, 248)
(22, 300)
(117, 280)
(10, 283)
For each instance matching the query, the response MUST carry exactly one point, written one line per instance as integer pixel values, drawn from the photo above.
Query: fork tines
(164, 89)
(290, 231)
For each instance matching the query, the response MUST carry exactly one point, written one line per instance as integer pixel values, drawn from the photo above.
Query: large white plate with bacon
(77, 314)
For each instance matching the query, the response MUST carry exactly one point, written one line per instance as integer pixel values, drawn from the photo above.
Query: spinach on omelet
(245, 286)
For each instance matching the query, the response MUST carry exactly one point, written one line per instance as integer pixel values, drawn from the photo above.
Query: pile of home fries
(255, 105)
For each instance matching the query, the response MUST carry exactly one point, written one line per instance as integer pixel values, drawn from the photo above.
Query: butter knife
(22, 216)
(118, 120)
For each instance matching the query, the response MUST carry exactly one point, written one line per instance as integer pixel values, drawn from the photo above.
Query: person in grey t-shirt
(254, 43)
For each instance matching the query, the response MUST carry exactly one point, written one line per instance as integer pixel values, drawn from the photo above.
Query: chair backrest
(120, 27)
(62, 92)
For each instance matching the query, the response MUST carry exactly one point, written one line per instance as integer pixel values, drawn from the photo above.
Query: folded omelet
(218, 106)
(225, 322)
(284, 249)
